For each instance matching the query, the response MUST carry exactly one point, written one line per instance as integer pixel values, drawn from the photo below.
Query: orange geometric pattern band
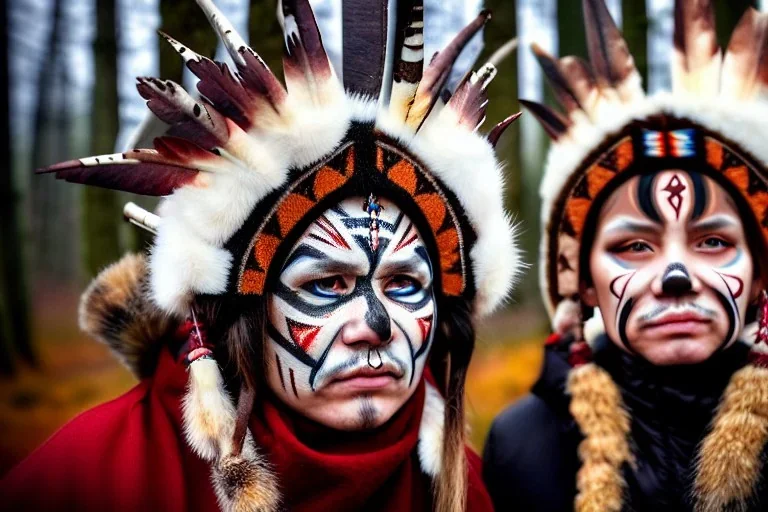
(315, 185)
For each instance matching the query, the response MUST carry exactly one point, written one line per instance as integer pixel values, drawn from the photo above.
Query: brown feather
(304, 52)
(557, 79)
(745, 66)
(438, 70)
(470, 101)
(608, 52)
(197, 122)
(497, 131)
(145, 172)
(554, 123)
(696, 60)
(409, 65)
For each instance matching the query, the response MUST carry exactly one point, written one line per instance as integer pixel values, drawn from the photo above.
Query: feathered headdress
(246, 163)
(713, 121)
(245, 169)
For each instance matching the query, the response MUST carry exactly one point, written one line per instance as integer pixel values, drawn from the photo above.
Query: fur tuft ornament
(245, 483)
(729, 464)
(116, 310)
(597, 408)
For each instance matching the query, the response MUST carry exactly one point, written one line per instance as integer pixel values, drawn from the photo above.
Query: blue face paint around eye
(324, 288)
(408, 288)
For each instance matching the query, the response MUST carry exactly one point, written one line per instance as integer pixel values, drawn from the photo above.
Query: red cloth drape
(129, 454)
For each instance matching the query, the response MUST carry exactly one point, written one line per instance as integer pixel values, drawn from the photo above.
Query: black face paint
(699, 195)
(623, 319)
(645, 197)
(732, 310)
(676, 280)
(315, 290)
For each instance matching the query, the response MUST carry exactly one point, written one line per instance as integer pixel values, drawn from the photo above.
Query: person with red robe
(303, 322)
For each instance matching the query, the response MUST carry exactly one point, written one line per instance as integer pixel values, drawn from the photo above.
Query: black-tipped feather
(497, 131)
(553, 123)
(608, 52)
(439, 69)
(559, 82)
(152, 175)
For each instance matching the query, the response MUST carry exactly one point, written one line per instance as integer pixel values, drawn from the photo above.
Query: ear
(588, 295)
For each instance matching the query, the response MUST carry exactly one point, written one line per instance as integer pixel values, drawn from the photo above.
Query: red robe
(129, 454)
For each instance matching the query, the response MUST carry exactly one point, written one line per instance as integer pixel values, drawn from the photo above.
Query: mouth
(677, 324)
(365, 379)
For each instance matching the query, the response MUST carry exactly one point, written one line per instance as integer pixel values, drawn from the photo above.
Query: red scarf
(322, 469)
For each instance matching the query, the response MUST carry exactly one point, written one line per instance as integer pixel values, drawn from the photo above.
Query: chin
(365, 412)
(677, 351)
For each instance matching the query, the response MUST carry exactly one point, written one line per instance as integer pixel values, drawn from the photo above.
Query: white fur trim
(209, 415)
(182, 265)
(431, 432)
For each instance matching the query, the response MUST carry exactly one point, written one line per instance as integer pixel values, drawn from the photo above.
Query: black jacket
(530, 459)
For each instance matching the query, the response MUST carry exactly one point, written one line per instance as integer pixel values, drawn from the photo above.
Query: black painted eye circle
(327, 287)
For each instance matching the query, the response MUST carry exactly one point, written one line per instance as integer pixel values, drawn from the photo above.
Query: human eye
(327, 287)
(633, 247)
(402, 287)
(714, 244)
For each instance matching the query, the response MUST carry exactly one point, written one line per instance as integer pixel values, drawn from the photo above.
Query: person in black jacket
(654, 390)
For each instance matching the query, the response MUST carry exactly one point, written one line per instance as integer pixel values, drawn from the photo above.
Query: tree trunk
(100, 209)
(635, 30)
(14, 307)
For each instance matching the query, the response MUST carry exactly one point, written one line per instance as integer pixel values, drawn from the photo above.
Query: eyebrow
(325, 263)
(714, 223)
(403, 267)
(635, 226)
(304, 251)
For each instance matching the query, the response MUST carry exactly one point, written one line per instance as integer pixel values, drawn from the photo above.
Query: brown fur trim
(729, 464)
(246, 483)
(116, 309)
(598, 410)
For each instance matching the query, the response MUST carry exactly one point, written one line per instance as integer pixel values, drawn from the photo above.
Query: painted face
(672, 273)
(351, 320)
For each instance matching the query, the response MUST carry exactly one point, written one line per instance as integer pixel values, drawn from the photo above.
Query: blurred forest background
(69, 91)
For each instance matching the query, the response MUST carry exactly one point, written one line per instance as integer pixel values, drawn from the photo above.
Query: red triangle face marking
(425, 324)
(405, 240)
(302, 334)
(337, 240)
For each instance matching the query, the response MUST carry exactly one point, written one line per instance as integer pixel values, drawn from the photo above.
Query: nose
(676, 280)
(375, 328)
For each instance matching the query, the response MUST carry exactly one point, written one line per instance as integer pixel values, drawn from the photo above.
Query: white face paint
(671, 269)
(351, 320)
